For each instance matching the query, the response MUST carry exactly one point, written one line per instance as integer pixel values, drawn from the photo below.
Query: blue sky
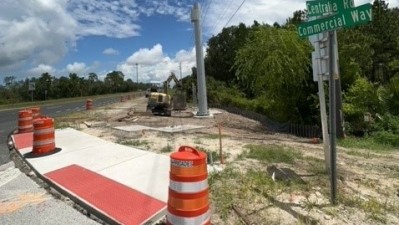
(83, 36)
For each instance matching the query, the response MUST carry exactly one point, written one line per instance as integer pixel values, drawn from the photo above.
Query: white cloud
(120, 18)
(156, 65)
(110, 51)
(40, 69)
(39, 31)
(146, 56)
(78, 68)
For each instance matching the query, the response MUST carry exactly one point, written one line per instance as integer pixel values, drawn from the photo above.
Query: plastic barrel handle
(185, 148)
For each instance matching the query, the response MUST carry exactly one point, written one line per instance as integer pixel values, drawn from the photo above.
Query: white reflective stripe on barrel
(25, 127)
(188, 187)
(45, 142)
(198, 220)
(45, 131)
(25, 118)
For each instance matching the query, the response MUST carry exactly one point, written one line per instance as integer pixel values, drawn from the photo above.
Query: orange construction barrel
(43, 136)
(89, 104)
(188, 199)
(35, 112)
(25, 121)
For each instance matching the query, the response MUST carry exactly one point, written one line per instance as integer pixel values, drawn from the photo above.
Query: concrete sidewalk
(119, 184)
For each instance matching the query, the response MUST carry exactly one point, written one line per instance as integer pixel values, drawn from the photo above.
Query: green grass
(355, 152)
(368, 143)
(128, 142)
(373, 207)
(272, 153)
(245, 188)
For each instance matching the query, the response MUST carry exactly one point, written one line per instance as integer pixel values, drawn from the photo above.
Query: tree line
(50, 87)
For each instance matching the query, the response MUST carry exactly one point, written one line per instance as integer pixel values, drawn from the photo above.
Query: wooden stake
(220, 144)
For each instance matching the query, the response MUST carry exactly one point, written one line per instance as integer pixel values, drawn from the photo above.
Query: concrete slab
(132, 128)
(147, 173)
(93, 153)
(171, 129)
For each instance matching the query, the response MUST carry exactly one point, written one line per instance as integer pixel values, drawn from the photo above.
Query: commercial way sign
(346, 18)
(325, 7)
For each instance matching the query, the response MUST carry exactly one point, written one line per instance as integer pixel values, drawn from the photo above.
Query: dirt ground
(245, 191)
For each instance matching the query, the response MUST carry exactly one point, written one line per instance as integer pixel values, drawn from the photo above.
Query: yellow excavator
(163, 103)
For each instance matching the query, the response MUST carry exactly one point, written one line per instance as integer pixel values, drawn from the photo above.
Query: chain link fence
(306, 131)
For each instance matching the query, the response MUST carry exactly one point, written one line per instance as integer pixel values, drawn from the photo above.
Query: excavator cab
(159, 103)
(162, 104)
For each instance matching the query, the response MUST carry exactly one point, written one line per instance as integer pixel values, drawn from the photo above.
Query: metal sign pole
(333, 115)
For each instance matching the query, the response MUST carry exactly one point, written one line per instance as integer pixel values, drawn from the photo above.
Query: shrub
(388, 138)
(361, 98)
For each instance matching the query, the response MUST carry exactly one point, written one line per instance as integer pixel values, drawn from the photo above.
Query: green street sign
(349, 18)
(324, 7)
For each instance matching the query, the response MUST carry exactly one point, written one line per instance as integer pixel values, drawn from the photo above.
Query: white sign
(32, 86)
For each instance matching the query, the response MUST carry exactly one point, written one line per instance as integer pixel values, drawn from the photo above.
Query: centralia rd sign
(324, 7)
(348, 18)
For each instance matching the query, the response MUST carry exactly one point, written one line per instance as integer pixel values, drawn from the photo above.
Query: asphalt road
(9, 118)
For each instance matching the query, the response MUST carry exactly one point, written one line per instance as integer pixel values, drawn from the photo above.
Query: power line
(239, 7)
(221, 16)
(206, 8)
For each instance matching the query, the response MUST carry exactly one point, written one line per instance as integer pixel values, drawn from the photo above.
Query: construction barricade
(43, 136)
(89, 104)
(188, 200)
(35, 112)
(25, 121)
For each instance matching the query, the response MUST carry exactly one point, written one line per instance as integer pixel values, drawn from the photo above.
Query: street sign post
(349, 18)
(31, 86)
(326, 7)
(331, 15)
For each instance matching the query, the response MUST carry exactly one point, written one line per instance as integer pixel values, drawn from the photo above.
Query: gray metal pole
(201, 83)
(333, 116)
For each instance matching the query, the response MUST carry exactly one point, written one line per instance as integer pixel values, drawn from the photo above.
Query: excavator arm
(171, 77)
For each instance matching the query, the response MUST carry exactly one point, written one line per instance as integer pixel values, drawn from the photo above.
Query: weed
(197, 141)
(166, 149)
(242, 155)
(60, 125)
(317, 166)
(355, 152)
(272, 153)
(365, 143)
(309, 203)
(213, 136)
(375, 209)
(132, 142)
